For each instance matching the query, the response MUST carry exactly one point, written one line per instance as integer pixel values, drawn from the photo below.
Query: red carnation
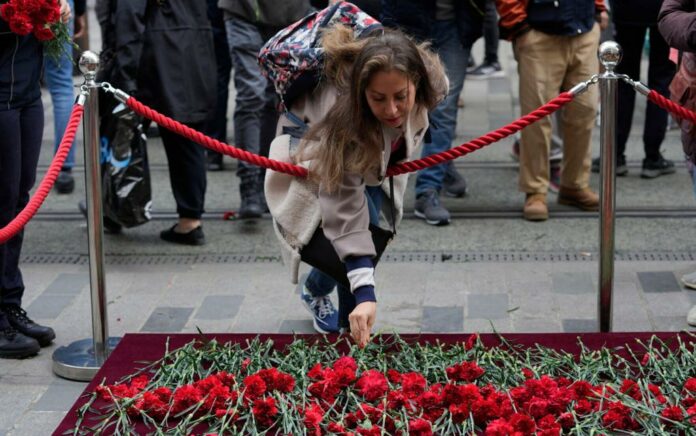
(185, 397)
(265, 411)
(21, 25)
(690, 385)
(465, 371)
(254, 387)
(471, 341)
(394, 376)
(277, 380)
(419, 427)
(673, 413)
(313, 415)
(522, 423)
(413, 384)
(372, 431)
(372, 385)
(345, 362)
(499, 427)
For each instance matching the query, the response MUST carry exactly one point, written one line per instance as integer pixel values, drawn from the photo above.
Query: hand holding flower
(361, 319)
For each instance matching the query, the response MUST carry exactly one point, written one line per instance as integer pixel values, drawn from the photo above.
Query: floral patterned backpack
(292, 59)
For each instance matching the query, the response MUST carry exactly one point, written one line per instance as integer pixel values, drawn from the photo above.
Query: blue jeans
(58, 76)
(319, 284)
(255, 114)
(443, 119)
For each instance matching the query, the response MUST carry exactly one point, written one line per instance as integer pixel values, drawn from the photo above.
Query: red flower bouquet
(399, 388)
(40, 18)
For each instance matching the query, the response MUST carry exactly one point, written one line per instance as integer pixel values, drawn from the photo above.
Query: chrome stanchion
(609, 56)
(82, 359)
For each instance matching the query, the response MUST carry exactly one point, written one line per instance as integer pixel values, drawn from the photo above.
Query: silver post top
(89, 64)
(610, 55)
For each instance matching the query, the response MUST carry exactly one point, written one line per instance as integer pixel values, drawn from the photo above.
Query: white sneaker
(689, 280)
(691, 317)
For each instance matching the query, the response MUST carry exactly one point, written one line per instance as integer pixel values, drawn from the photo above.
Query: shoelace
(324, 307)
(9, 332)
(18, 313)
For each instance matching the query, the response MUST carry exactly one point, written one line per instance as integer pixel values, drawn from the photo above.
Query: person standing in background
(58, 77)
(632, 19)
(249, 24)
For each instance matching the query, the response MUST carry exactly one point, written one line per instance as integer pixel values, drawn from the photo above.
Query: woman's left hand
(65, 12)
(361, 319)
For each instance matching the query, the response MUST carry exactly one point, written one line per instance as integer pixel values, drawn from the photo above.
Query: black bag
(320, 253)
(125, 170)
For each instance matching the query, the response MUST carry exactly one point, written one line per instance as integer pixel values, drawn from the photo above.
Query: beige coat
(299, 206)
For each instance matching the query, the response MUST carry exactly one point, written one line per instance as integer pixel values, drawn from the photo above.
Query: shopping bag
(126, 192)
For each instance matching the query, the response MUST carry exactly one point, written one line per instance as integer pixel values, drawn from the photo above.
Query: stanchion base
(77, 361)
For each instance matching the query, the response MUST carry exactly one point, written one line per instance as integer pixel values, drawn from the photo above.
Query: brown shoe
(583, 199)
(535, 208)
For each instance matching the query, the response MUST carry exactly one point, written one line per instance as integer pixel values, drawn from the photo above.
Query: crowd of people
(401, 88)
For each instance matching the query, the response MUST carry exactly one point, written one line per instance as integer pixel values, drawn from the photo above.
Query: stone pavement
(488, 270)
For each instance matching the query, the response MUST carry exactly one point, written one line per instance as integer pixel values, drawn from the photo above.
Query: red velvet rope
(671, 106)
(406, 167)
(18, 223)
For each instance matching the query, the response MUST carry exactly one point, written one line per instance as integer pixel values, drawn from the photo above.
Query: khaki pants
(547, 65)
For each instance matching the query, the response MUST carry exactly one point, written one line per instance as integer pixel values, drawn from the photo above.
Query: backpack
(293, 59)
(683, 92)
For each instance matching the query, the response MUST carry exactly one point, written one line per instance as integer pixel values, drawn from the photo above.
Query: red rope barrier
(18, 223)
(487, 139)
(406, 167)
(671, 106)
(212, 143)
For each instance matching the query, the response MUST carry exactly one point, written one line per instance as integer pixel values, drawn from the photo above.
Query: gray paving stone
(580, 325)
(572, 283)
(37, 424)
(488, 325)
(691, 296)
(49, 306)
(672, 323)
(67, 284)
(499, 85)
(167, 319)
(658, 281)
(536, 325)
(59, 396)
(666, 304)
(296, 326)
(216, 307)
(443, 319)
(488, 306)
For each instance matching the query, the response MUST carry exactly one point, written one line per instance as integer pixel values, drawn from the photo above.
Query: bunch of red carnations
(413, 390)
(40, 18)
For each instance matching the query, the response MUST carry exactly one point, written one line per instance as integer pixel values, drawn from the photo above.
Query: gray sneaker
(689, 280)
(429, 208)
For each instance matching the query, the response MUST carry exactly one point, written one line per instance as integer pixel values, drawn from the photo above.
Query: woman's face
(390, 95)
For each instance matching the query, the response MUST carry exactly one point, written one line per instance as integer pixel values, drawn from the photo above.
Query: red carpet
(134, 349)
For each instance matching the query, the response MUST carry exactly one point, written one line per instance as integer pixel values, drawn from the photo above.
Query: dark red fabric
(134, 349)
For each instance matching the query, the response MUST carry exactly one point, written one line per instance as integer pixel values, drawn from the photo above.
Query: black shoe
(14, 345)
(251, 191)
(19, 320)
(65, 183)
(657, 168)
(454, 184)
(214, 161)
(110, 226)
(194, 237)
(621, 168)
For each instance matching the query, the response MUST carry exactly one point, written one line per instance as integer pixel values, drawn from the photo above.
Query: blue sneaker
(322, 310)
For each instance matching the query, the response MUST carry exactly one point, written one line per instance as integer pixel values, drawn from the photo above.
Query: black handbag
(320, 253)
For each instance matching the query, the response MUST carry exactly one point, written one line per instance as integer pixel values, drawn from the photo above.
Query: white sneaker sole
(431, 222)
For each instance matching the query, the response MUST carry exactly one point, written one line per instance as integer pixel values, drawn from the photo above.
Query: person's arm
(677, 23)
(129, 19)
(513, 18)
(345, 221)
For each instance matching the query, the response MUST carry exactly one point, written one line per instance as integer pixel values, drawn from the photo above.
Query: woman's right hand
(361, 319)
(65, 12)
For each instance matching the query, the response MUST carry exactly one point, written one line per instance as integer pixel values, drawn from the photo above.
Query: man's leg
(245, 41)
(443, 122)
(631, 40)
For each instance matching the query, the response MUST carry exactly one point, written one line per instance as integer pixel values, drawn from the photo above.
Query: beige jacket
(299, 206)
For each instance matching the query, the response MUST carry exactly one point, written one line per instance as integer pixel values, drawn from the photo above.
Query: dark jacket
(21, 62)
(556, 17)
(164, 54)
(266, 13)
(677, 22)
(637, 12)
(416, 18)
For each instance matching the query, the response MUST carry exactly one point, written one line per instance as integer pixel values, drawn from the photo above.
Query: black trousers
(21, 130)
(660, 73)
(187, 171)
